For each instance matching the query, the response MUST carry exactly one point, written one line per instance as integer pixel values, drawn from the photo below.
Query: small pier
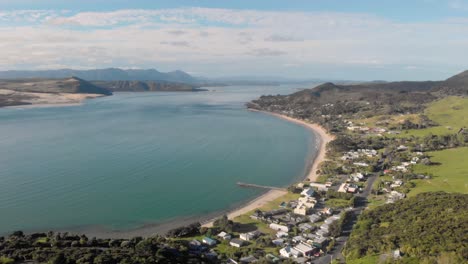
(251, 185)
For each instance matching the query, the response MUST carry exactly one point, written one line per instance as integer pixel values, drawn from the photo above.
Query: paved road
(361, 203)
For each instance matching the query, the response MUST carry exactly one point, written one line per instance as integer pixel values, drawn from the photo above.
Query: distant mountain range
(110, 74)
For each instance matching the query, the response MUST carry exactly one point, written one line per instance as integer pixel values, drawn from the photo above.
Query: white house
(301, 209)
(278, 241)
(305, 249)
(209, 241)
(236, 242)
(279, 227)
(249, 236)
(308, 192)
(225, 236)
(282, 234)
(289, 252)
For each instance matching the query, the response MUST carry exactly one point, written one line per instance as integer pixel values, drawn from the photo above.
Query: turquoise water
(135, 158)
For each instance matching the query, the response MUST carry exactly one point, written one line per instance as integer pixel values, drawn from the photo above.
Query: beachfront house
(209, 241)
(235, 242)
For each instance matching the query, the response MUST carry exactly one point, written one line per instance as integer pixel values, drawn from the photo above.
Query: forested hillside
(427, 228)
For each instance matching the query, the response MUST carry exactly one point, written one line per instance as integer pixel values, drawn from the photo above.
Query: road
(361, 204)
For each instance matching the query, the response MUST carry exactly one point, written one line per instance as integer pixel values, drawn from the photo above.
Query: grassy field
(450, 176)
(450, 113)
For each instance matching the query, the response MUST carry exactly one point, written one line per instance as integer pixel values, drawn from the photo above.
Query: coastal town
(367, 164)
(315, 225)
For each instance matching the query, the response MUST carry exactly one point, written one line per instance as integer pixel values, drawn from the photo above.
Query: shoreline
(311, 172)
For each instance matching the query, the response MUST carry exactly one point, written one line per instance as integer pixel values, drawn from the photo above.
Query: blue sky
(362, 39)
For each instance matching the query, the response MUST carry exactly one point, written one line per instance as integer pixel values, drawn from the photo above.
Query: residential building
(279, 227)
(236, 242)
(225, 236)
(209, 241)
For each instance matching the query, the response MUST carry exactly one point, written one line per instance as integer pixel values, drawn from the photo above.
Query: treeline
(428, 228)
(64, 248)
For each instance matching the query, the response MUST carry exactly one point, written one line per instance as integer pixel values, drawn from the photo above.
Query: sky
(327, 39)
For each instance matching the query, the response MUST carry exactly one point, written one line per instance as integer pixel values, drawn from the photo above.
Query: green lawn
(450, 176)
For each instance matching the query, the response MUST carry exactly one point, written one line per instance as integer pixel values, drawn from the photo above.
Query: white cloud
(215, 39)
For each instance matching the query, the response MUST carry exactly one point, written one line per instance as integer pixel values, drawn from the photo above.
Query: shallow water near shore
(133, 159)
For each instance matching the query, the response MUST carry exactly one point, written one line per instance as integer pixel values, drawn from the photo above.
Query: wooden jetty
(251, 185)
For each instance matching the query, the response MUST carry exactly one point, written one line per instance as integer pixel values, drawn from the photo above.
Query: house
(402, 148)
(305, 226)
(212, 254)
(209, 241)
(278, 241)
(361, 164)
(194, 244)
(279, 227)
(301, 210)
(248, 259)
(272, 258)
(322, 233)
(325, 227)
(308, 192)
(395, 196)
(327, 211)
(314, 218)
(320, 242)
(309, 202)
(236, 242)
(396, 184)
(282, 234)
(305, 249)
(225, 236)
(328, 184)
(298, 239)
(300, 185)
(289, 252)
(357, 177)
(250, 236)
(331, 219)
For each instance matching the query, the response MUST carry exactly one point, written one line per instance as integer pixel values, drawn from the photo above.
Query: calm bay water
(135, 158)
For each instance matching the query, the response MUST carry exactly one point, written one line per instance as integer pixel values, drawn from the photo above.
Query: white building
(279, 227)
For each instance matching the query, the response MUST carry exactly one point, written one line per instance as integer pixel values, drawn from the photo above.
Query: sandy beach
(322, 139)
(46, 99)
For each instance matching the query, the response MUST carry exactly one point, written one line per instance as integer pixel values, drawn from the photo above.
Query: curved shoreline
(311, 173)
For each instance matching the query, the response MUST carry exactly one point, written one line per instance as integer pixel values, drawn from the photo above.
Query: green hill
(427, 228)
